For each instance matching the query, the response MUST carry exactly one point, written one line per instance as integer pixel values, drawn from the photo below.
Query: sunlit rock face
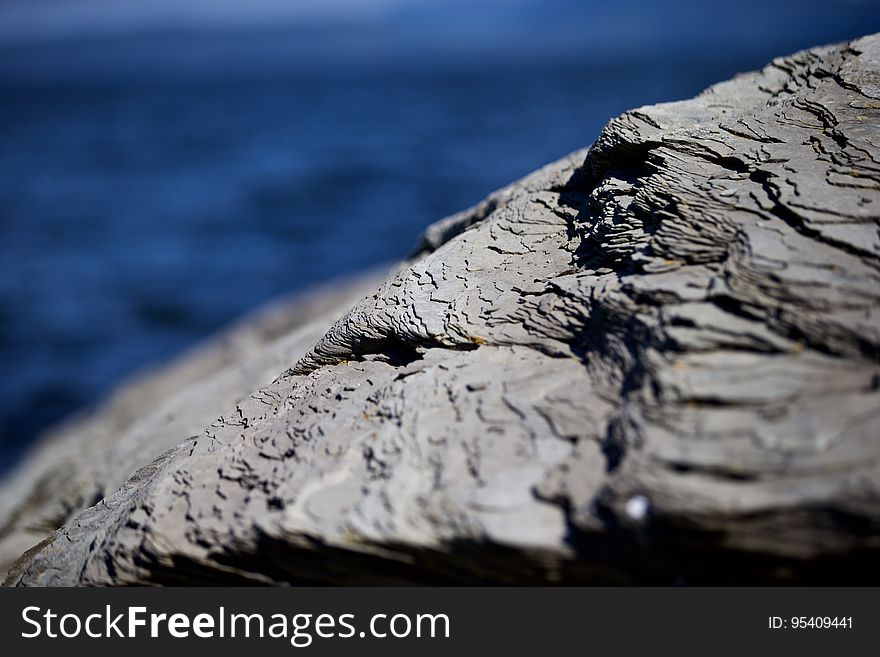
(655, 360)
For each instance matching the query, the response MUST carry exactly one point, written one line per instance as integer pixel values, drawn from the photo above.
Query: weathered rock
(656, 359)
(89, 456)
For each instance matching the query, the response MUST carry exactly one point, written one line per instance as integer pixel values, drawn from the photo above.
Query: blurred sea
(154, 186)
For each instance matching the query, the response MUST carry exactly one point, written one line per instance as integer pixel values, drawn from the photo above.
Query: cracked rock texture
(655, 360)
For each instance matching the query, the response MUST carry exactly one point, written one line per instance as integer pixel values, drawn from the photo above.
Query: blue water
(152, 188)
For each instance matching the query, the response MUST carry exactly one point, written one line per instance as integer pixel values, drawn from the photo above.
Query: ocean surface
(152, 191)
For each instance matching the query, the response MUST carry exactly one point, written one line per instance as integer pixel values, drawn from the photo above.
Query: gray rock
(77, 464)
(657, 359)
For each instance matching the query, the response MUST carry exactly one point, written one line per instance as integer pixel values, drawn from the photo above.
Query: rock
(77, 464)
(656, 360)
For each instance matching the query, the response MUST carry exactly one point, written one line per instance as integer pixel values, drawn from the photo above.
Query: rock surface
(656, 360)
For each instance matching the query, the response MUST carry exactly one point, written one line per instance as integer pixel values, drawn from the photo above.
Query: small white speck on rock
(637, 507)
